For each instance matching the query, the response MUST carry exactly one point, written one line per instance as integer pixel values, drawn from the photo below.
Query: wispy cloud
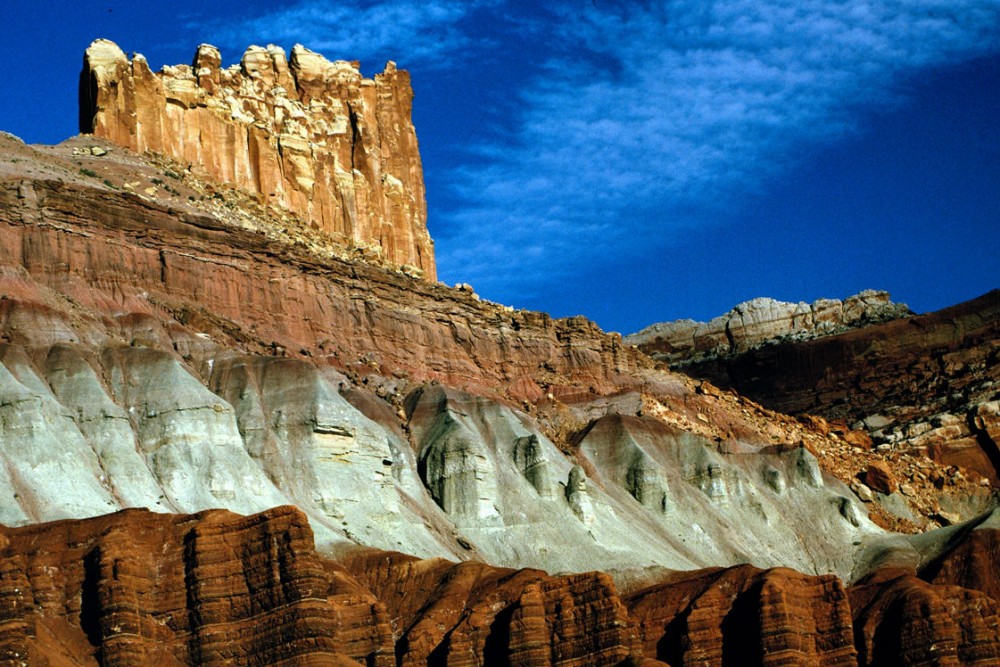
(419, 32)
(648, 116)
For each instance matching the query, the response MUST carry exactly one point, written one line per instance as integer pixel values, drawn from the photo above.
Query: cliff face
(922, 383)
(304, 133)
(137, 588)
(395, 413)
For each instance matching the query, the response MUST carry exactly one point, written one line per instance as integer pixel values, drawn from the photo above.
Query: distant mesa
(304, 133)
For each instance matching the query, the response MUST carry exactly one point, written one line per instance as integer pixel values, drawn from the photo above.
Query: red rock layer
(745, 616)
(913, 369)
(900, 620)
(465, 614)
(306, 134)
(973, 563)
(73, 254)
(137, 588)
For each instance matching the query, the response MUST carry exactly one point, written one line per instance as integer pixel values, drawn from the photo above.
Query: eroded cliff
(138, 588)
(310, 135)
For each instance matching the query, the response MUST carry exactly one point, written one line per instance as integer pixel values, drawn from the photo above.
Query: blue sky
(634, 161)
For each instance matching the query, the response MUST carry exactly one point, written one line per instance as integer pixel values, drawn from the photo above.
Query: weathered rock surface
(130, 265)
(471, 614)
(761, 321)
(136, 334)
(140, 588)
(922, 387)
(304, 133)
(972, 562)
(902, 620)
(745, 616)
(157, 351)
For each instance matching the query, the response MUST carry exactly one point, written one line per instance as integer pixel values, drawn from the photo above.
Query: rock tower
(307, 134)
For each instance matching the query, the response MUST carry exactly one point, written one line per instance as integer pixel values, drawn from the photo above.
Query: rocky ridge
(762, 321)
(134, 329)
(303, 133)
(923, 387)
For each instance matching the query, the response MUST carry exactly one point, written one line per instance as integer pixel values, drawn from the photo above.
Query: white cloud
(411, 31)
(653, 108)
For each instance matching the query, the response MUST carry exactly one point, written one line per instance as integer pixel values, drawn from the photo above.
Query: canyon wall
(138, 588)
(396, 413)
(306, 134)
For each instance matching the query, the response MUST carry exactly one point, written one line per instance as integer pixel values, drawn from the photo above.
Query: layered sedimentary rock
(471, 614)
(154, 355)
(760, 321)
(139, 588)
(114, 253)
(902, 620)
(304, 133)
(924, 383)
(134, 332)
(745, 616)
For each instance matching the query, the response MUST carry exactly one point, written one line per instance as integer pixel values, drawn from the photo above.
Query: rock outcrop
(303, 133)
(902, 620)
(139, 588)
(238, 289)
(745, 616)
(759, 321)
(165, 348)
(925, 384)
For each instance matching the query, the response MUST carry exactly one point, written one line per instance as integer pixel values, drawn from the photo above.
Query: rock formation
(180, 347)
(136, 332)
(924, 384)
(760, 321)
(139, 588)
(303, 133)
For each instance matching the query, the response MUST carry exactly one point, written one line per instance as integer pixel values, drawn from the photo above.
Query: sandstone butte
(304, 133)
(346, 465)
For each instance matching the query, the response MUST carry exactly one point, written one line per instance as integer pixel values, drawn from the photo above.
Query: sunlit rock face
(763, 320)
(429, 478)
(215, 588)
(304, 133)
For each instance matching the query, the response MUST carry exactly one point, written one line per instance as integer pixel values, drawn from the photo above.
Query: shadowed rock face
(902, 620)
(924, 383)
(137, 588)
(304, 133)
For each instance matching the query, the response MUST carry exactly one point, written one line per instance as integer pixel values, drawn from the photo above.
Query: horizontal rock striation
(304, 133)
(746, 616)
(760, 321)
(138, 588)
(902, 620)
(925, 383)
(137, 264)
